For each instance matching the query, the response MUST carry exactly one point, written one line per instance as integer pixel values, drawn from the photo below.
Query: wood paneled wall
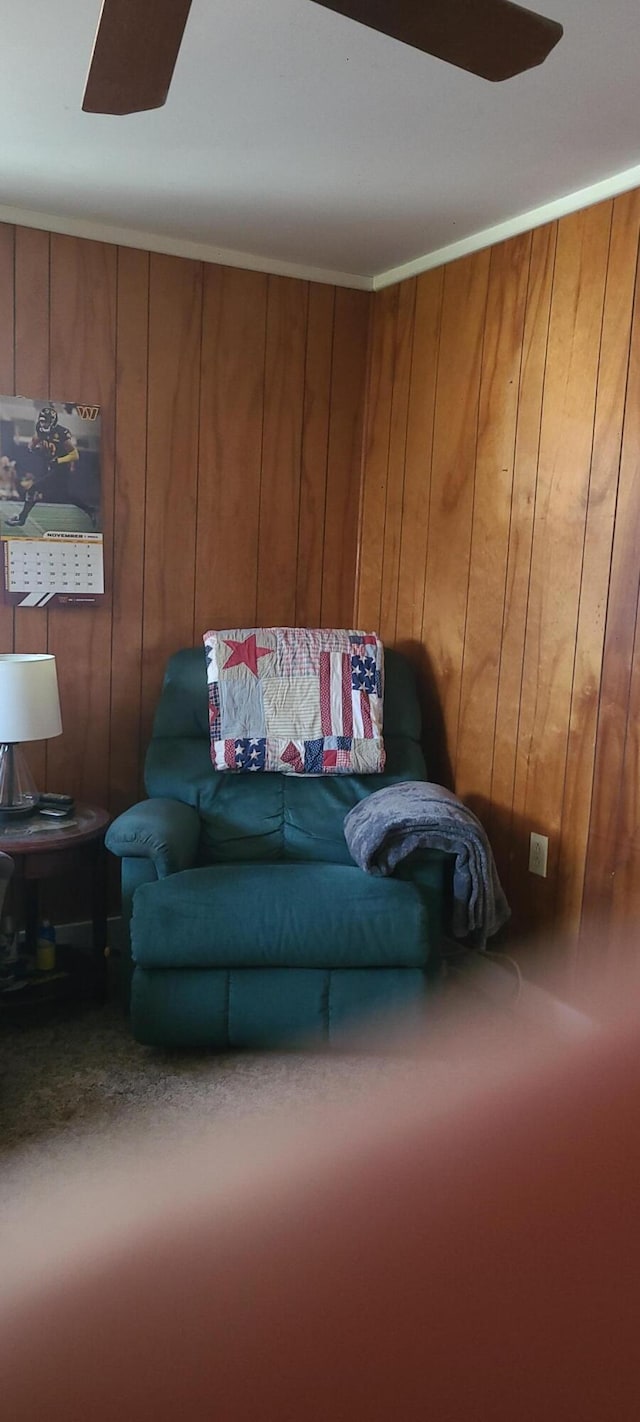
(500, 545)
(232, 408)
(499, 535)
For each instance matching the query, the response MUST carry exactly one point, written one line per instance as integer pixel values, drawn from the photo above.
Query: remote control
(56, 812)
(56, 802)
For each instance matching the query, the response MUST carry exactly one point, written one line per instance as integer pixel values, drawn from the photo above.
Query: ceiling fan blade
(491, 38)
(134, 55)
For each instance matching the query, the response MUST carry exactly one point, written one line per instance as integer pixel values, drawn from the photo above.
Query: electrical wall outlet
(538, 851)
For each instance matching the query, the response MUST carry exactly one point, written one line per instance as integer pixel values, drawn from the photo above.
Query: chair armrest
(164, 831)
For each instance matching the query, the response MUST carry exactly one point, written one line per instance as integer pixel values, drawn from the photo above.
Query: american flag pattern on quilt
(296, 700)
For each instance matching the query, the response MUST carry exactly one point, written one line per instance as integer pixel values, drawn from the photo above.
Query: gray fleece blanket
(390, 824)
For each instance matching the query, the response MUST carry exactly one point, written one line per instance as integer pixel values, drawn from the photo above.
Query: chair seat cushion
(286, 915)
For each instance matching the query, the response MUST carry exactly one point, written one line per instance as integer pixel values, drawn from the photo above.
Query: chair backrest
(270, 816)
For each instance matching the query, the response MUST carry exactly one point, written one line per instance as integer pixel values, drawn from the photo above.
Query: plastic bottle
(46, 947)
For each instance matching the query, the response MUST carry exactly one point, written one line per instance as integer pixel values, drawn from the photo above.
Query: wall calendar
(50, 502)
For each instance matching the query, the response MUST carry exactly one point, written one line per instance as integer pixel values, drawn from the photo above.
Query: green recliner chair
(250, 925)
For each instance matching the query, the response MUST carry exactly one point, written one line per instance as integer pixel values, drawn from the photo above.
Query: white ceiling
(303, 140)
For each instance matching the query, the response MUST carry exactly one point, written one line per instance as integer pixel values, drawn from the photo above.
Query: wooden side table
(42, 848)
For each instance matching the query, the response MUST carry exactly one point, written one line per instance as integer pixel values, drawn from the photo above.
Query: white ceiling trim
(221, 256)
(525, 222)
(179, 247)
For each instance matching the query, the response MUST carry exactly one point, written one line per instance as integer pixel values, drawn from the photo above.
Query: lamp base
(18, 792)
(16, 812)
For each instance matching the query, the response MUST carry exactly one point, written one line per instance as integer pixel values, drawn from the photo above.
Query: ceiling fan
(137, 42)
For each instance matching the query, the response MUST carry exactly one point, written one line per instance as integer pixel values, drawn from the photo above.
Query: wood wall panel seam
(509, 533)
(401, 427)
(195, 632)
(262, 429)
(472, 520)
(282, 434)
(404, 460)
(376, 444)
(626, 885)
(387, 461)
(362, 471)
(131, 363)
(327, 454)
(507, 870)
(296, 560)
(433, 427)
(585, 527)
(344, 435)
(111, 572)
(141, 748)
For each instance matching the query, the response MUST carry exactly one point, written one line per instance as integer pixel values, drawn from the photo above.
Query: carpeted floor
(74, 1082)
(71, 1082)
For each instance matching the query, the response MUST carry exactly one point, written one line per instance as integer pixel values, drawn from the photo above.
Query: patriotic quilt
(296, 700)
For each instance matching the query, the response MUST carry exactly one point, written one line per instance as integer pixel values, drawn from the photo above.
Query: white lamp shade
(29, 702)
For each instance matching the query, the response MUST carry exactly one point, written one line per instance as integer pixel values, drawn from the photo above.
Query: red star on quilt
(245, 654)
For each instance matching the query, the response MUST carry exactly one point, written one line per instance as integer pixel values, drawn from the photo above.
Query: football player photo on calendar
(50, 501)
